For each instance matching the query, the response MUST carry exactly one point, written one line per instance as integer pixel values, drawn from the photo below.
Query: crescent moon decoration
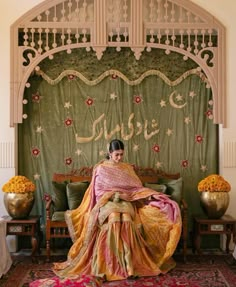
(173, 104)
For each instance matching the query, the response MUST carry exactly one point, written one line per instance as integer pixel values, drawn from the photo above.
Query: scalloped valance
(116, 73)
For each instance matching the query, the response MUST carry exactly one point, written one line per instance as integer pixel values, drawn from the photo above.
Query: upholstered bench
(68, 191)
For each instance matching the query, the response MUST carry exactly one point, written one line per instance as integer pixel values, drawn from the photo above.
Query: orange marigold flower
(214, 182)
(19, 184)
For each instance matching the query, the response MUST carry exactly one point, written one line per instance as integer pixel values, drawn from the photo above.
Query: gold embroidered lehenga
(121, 228)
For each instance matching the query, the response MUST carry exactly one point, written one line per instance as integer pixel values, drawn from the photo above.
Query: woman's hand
(116, 197)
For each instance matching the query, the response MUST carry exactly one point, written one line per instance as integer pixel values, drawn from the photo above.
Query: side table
(225, 225)
(29, 226)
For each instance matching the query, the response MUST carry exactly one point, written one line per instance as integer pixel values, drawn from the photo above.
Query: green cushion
(58, 216)
(59, 197)
(174, 188)
(75, 192)
(156, 187)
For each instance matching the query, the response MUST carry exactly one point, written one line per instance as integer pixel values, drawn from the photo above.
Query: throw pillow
(59, 197)
(174, 188)
(75, 192)
(155, 186)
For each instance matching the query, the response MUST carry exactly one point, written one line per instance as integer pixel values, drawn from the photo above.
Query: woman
(121, 229)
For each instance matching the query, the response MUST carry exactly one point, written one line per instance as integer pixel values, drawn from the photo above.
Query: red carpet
(205, 270)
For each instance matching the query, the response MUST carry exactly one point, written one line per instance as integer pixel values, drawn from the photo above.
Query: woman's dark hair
(115, 145)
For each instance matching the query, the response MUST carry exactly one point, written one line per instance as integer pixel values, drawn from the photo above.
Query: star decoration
(135, 147)
(113, 96)
(159, 164)
(36, 176)
(169, 132)
(203, 168)
(39, 129)
(187, 120)
(179, 97)
(78, 152)
(67, 105)
(192, 94)
(163, 103)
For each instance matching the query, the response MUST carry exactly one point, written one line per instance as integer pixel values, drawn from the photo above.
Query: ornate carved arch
(172, 25)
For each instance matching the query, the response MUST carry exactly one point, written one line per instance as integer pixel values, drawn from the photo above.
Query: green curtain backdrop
(160, 106)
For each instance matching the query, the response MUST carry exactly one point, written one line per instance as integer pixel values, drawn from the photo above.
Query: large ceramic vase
(214, 204)
(19, 205)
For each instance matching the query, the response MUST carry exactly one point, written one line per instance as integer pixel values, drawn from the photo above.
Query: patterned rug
(204, 270)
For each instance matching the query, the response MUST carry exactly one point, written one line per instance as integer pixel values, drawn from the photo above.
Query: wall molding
(7, 155)
(229, 154)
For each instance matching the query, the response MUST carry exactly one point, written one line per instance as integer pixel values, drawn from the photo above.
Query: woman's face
(117, 155)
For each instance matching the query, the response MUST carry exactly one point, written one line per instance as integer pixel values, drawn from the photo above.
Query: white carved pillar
(136, 32)
(100, 41)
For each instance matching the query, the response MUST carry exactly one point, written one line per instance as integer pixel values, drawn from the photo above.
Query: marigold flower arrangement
(19, 184)
(214, 182)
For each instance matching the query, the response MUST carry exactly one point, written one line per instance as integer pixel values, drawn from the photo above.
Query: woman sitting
(121, 229)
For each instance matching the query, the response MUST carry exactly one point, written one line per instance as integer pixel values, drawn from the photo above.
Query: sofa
(68, 190)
